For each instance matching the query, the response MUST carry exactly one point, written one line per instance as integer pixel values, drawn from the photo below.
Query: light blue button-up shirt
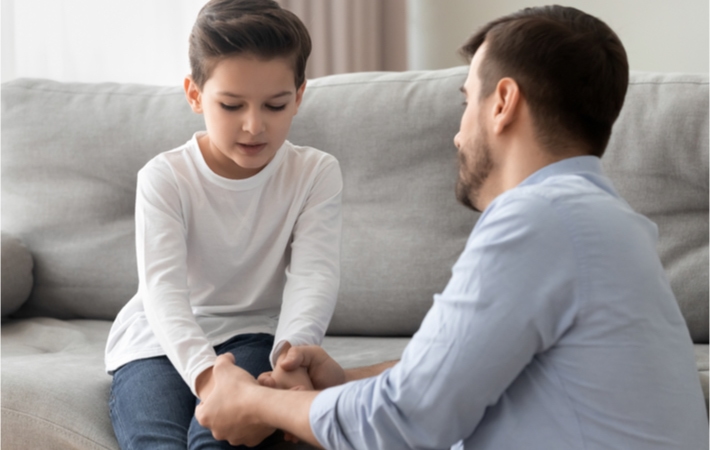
(557, 330)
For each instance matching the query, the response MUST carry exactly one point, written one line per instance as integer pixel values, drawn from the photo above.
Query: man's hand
(322, 370)
(227, 409)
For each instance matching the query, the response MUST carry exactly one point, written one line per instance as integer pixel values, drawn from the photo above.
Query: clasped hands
(244, 411)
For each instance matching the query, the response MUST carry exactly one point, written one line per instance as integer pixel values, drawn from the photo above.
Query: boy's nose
(253, 123)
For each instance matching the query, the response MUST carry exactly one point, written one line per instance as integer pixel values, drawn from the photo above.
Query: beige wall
(659, 35)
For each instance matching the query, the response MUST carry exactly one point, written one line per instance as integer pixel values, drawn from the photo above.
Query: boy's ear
(193, 94)
(299, 94)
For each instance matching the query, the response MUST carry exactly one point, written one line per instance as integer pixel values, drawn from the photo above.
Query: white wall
(132, 41)
(659, 35)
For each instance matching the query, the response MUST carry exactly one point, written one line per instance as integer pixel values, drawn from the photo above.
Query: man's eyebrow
(230, 94)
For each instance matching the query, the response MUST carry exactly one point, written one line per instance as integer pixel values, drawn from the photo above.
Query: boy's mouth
(251, 148)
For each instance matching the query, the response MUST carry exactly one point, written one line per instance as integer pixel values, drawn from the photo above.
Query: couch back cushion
(71, 153)
(658, 160)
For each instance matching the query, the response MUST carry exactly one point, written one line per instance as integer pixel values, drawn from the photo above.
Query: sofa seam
(660, 83)
(67, 432)
(355, 83)
(77, 92)
(352, 83)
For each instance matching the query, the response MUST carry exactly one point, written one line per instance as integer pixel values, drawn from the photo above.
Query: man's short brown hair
(260, 28)
(570, 67)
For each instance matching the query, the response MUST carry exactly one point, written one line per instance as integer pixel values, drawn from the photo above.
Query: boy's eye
(276, 108)
(230, 107)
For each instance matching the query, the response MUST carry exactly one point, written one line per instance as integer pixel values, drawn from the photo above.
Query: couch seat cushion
(55, 390)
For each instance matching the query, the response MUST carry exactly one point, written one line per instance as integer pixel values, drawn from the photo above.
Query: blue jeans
(152, 407)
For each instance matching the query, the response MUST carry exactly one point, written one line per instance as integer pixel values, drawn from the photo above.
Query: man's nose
(457, 140)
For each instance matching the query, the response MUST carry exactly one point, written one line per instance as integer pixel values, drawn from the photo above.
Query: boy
(237, 232)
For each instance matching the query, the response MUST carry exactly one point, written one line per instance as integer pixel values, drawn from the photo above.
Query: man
(558, 328)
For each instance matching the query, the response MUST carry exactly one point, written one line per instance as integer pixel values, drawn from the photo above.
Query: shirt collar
(575, 165)
(588, 167)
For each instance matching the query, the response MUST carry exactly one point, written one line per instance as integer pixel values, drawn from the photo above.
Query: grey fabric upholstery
(402, 227)
(16, 274)
(69, 163)
(659, 164)
(55, 391)
(70, 154)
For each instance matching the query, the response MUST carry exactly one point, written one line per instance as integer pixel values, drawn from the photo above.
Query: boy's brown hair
(259, 28)
(570, 67)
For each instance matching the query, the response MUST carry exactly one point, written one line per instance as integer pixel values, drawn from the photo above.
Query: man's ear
(193, 94)
(506, 105)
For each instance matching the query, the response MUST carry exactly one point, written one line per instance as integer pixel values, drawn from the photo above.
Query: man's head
(570, 66)
(568, 70)
(255, 28)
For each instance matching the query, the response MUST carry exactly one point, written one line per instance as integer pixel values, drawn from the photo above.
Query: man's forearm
(359, 373)
(286, 410)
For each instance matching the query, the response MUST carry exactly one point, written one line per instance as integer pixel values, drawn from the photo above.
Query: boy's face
(248, 104)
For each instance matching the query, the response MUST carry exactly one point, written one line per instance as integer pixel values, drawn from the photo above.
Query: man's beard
(472, 177)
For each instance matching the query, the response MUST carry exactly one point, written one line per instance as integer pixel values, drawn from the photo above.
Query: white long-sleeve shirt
(219, 257)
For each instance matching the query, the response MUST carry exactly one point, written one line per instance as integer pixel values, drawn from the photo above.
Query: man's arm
(511, 296)
(360, 373)
(238, 409)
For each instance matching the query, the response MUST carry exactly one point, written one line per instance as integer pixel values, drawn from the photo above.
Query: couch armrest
(16, 280)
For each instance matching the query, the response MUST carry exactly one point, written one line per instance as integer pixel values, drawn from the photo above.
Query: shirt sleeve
(161, 250)
(510, 297)
(313, 274)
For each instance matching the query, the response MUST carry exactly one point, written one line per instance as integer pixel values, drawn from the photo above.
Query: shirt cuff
(295, 341)
(276, 351)
(192, 382)
(324, 418)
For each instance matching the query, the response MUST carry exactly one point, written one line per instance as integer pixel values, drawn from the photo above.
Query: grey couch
(70, 153)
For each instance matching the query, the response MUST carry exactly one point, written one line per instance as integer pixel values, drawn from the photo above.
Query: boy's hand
(281, 379)
(296, 379)
(322, 370)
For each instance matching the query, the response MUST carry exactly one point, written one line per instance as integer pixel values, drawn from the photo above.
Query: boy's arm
(313, 273)
(161, 253)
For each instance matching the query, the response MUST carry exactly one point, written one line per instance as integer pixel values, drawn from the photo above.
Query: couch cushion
(54, 388)
(16, 273)
(55, 391)
(402, 226)
(701, 360)
(71, 153)
(658, 160)
(70, 156)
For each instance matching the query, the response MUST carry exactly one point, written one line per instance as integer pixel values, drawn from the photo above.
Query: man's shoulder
(561, 202)
(560, 192)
